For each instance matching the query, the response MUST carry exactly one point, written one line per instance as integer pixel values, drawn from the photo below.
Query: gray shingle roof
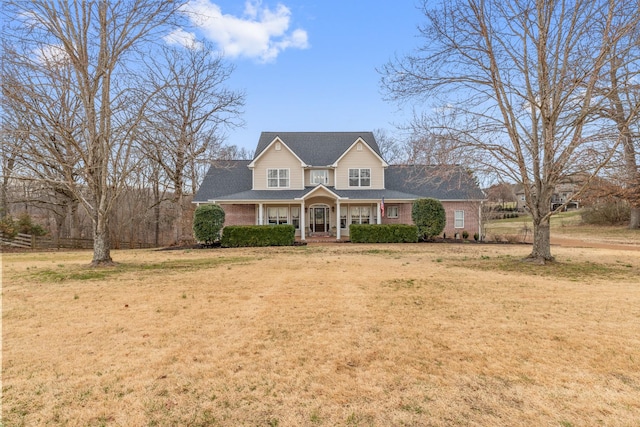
(223, 178)
(232, 180)
(317, 148)
(440, 182)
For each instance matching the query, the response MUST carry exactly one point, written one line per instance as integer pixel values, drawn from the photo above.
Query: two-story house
(321, 182)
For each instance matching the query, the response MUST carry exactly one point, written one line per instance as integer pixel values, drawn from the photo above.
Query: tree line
(104, 120)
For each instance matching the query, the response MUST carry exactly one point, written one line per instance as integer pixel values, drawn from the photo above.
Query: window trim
(360, 216)
(395, 208)
(295, 217)
(344, 215)
(359, 177)
(326, 176)
(279, 219)
(456, 219)
(279, 177)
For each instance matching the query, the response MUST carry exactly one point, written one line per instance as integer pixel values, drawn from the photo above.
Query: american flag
(382, 208)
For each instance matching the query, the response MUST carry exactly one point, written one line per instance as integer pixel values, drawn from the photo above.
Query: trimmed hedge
(235, 236)
(383, 233)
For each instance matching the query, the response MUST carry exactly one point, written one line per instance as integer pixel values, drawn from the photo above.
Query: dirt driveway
(579, 243)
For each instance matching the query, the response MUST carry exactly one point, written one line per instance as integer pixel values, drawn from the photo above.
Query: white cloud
(182, 38)
(261, 33)
(51, 55)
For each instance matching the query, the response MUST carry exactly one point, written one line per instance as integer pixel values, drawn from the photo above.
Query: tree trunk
(540, 213)
(4, 206)
(634, 220)
(101, 241)
(74, 224)
(541, 252)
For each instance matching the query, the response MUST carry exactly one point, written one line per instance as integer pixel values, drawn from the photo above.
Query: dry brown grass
(382, 335)
(564, 226)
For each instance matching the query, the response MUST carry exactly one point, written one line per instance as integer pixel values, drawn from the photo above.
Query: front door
(319, 220)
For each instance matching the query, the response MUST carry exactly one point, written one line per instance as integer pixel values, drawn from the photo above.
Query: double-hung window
(278, 178)
(392, 212)
(360, 214)
(295, 216)
(359, 177)
(277, 215)
(459, 219)
(343, 217)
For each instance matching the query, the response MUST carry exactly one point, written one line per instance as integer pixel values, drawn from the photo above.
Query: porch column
(302, 222)
(260, 218)
(378, 214)
(338, 219)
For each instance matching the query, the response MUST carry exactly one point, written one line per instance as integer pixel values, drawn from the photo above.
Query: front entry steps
(321, 238)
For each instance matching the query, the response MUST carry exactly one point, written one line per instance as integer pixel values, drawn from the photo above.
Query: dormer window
(359, 177)
(319, 177)
(278, 178)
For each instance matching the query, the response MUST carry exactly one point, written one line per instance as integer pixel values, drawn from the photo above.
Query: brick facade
(239, 214)
(246, 215)
(471, 217)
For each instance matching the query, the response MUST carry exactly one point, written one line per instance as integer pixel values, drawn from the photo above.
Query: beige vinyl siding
(364, 159)
(277, 159)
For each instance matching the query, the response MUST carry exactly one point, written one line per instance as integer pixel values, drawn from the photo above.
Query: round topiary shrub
(429, 215)
(207, 223)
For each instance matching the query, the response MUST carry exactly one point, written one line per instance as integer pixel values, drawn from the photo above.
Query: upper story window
(278, 178)
(319, 177)
(359, 177)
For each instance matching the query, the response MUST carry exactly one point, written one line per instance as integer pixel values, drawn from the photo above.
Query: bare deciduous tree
(84, 47)
(623, 94)
(519, 79)
(190, 110)
(390, 147)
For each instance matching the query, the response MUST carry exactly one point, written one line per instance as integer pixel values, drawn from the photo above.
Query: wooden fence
(27, 241)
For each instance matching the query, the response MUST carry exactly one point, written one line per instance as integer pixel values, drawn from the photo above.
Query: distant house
(563, 193)
(321, 182)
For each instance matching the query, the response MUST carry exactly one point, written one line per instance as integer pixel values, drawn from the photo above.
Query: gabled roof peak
(317, 148)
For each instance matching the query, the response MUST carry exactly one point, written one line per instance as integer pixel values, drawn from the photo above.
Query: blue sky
(308, 65)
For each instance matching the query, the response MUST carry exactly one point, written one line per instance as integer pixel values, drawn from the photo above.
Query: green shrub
(429, 216)
(258, 235)
(476, 236)
(383, 233)
(26, 225)
(465, 234)
(207, 223)
(8, 227)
